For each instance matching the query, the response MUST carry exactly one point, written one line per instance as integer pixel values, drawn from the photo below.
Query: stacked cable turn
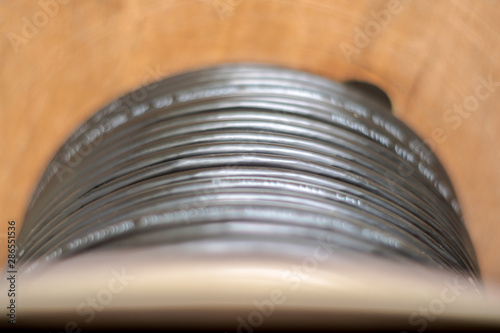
(248, 152)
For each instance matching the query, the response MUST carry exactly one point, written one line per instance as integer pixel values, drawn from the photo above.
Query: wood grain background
(61, 60)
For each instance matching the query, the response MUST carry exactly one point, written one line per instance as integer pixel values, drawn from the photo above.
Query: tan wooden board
(62, 60)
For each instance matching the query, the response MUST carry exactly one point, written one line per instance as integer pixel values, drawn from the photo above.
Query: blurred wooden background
(61, 60)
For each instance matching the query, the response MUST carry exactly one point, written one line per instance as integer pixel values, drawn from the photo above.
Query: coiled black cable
(252, 151)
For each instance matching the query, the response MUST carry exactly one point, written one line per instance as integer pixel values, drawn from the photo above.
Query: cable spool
(248, 152)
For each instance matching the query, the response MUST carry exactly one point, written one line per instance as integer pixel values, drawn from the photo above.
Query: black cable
(255, 151)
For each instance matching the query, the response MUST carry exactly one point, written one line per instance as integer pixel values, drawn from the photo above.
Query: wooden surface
(428, 56)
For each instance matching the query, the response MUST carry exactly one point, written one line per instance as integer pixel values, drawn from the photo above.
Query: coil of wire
(248, 151)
